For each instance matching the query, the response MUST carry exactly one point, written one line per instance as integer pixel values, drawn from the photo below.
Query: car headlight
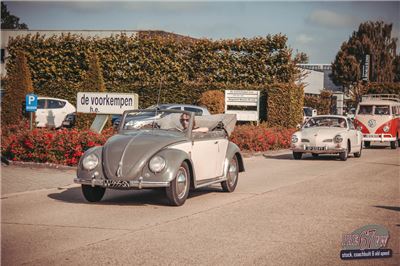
(157, 164)
(386, 128)
(90, 162)
(295, 139)
(338, 139)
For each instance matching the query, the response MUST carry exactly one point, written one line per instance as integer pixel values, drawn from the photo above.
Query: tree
(396, 66)
(9, 21)
(17, 85)
(373, 39)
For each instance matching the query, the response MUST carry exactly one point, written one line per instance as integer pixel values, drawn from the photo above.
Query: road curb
(64, 167)
(42, 165)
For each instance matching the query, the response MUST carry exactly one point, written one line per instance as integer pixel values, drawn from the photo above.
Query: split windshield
(326, 122)
(374, 110)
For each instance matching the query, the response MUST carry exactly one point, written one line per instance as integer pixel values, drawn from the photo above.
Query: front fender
(86, 174)
(173, 158)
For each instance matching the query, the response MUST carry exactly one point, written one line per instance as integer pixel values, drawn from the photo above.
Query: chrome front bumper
(325, 151)
(378, 137)
(121, 184)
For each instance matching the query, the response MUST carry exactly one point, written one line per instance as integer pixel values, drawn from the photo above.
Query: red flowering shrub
(261, 138)
(64, 146)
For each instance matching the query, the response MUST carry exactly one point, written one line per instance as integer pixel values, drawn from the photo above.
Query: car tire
(93, 194)
(344, 155)
(232, 176)
(393, 145)
(315, 155)
(367, 144)
(358, 154)
(297, 155)
(179, 187)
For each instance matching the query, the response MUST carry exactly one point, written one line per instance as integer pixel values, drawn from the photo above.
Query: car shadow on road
(126, 197)
(392, 208)
(305, 157)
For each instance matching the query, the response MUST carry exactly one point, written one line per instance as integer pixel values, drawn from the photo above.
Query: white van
(51, 112)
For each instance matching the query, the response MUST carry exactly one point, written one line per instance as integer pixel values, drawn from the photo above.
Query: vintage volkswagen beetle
(163, 154)
(327, 134)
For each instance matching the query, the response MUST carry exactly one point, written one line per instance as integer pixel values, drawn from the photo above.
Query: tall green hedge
(183, 69)
(285, 105)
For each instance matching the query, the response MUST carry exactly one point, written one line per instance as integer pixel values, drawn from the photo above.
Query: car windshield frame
(122, 127)
(315, 119)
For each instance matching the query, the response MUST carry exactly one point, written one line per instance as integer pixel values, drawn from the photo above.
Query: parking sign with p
(31, 102)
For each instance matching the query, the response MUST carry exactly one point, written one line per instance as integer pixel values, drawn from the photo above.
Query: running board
(208, 182)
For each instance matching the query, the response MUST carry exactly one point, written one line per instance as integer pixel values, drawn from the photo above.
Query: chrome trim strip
(217, 180)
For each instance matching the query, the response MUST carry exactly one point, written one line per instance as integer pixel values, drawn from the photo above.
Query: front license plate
(116, 183)
(310, 148)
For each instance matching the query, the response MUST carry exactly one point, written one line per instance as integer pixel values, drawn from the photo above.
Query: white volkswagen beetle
(327, 134)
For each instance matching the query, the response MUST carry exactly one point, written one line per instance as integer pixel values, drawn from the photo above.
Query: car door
(204, 155)
(41, 113)
(56, 112)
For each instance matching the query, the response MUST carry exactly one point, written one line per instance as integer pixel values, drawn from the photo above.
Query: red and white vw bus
(378, 117)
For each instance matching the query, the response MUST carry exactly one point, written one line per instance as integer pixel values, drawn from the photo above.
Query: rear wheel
(178, 189)
(367, 144)
(297, 155)
(358, 154)
(232, 176)
(93, 194)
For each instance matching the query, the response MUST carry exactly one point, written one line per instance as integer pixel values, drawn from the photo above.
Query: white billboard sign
(245, 98)
(105, 102)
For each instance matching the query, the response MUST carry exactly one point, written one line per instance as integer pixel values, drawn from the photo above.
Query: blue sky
(316, 28)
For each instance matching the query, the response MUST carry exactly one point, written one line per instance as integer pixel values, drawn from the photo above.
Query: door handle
(216, 142)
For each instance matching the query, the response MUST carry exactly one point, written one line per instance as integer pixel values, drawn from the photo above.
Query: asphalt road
(284, 212)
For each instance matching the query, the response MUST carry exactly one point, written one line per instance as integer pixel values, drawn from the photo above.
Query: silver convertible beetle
(175, 152)
(327, 134)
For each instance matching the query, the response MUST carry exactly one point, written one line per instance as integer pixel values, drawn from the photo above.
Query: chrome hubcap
(181, 182)
(232, 172)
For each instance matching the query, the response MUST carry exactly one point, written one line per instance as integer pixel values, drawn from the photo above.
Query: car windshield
(159, 120)
(326, 122)
(307, 111)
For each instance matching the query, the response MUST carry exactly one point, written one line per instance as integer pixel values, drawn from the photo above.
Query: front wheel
(367, 144)
(232, 176)
(393, 145)
(297, 155)
(343, 155)
(93, 194)
(178, 189)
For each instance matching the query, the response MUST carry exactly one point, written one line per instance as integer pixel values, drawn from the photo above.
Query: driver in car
(184, 120)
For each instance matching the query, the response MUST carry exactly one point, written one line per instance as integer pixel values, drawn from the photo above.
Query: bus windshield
(374, 110)
(365, 110)
(382, 110)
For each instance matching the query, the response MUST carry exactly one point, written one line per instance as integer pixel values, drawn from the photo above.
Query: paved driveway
(284, 212)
